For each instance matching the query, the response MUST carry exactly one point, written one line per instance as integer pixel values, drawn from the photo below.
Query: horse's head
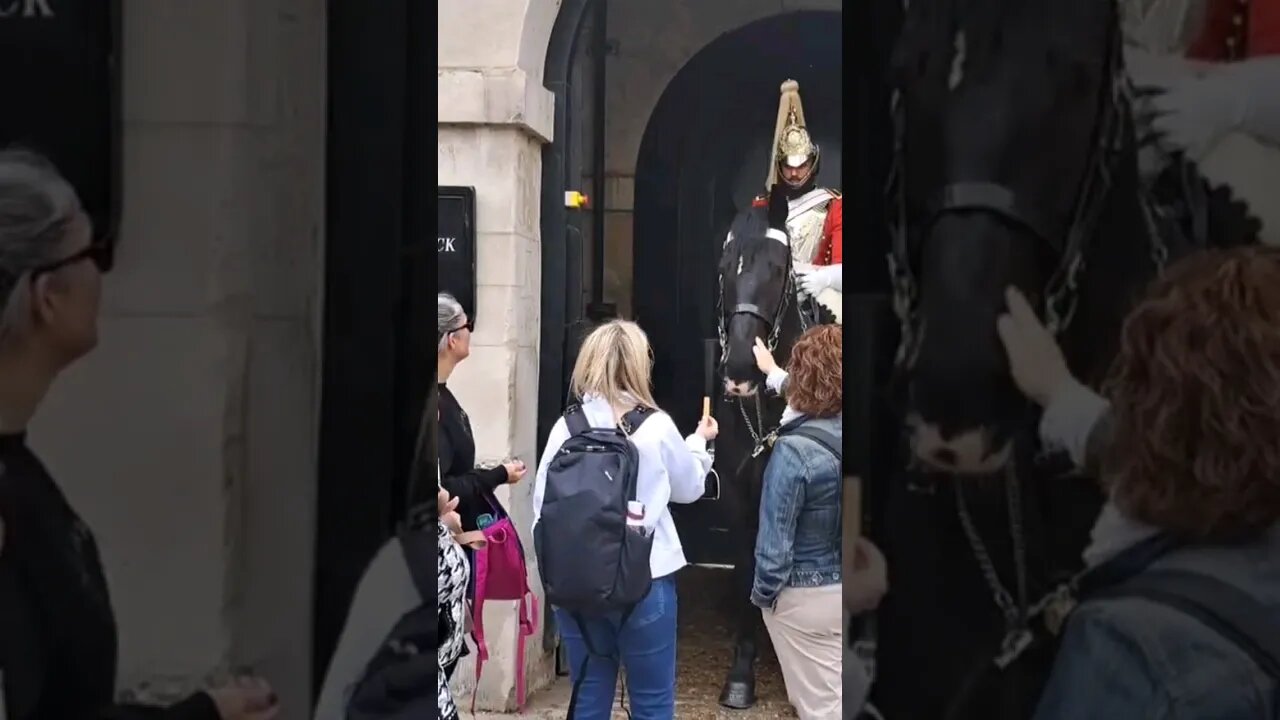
(1004, 108)
(755, 289)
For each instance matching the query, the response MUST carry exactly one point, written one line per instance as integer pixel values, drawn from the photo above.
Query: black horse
(757, 300)
(1016, 165)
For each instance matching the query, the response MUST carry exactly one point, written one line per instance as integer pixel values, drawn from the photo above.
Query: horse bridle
(774, 324)
(1060, 295)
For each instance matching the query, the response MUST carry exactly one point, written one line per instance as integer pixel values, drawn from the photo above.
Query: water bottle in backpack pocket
(592, 560)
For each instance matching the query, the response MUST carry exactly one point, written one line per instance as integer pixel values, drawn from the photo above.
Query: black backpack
(399, 683)
(590, 561)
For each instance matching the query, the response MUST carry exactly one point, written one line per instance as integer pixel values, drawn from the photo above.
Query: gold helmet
(791, 142)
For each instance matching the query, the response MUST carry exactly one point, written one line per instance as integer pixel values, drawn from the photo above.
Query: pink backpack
(501, 574)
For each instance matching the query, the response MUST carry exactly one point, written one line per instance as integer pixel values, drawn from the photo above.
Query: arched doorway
(705, 154)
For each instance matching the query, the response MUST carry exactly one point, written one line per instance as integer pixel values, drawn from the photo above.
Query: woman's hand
(246, 699)
(1038, 367)
(764, 358)
(708, 428)
(448, 507)
(869, 579)
(515, 471)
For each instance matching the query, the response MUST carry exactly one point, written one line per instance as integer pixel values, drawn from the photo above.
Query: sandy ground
(704, 650)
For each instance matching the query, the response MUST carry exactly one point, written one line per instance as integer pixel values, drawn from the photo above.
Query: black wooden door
(379, 280)
(62, 95)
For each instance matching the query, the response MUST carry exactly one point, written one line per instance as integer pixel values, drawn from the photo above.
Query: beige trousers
(809, 640)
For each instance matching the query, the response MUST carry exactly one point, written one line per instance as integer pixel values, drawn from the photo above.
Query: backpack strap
(1227, 610)
(1224, 608)
(527, 617)
(820, 436)
(1124, 565)
(615, 658)
(634, 418)
(791, 425)
(576, 420)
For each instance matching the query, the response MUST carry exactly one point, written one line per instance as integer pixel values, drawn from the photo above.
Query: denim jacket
(798, 544)
(1132, 658)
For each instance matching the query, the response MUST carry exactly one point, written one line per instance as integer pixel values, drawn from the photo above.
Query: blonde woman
(612, 377)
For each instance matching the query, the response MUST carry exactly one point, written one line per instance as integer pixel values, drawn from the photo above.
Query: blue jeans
(647, 646)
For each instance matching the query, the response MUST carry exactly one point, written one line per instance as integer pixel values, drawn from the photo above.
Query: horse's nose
(739, 389)
(970, 452)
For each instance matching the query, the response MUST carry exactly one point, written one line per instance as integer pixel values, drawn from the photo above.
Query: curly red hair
(816, 371)
(1196, 399)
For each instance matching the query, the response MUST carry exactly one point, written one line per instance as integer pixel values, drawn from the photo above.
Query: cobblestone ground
(704, 648)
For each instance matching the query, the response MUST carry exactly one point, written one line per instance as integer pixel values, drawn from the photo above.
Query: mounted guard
(816, 215)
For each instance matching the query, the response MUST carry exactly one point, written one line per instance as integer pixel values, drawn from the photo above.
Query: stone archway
(686, 29)
(704, 156)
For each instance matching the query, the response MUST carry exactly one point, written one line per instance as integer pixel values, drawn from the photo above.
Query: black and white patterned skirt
(453, 574)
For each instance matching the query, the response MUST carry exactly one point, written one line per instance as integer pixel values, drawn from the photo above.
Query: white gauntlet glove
(815, 281)
(1194, 113)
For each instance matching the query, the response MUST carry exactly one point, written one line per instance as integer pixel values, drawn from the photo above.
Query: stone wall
(494, 117)
(188, 439)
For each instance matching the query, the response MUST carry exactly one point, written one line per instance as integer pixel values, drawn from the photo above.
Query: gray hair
(448, 313)
(36, 206)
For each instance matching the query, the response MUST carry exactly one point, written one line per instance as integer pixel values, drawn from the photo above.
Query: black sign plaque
(61, 61)
(456, 244)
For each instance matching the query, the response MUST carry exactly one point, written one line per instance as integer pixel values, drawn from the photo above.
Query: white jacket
(672, 470)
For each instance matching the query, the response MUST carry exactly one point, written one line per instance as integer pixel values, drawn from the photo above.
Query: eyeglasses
(101, 254)
(469, 326)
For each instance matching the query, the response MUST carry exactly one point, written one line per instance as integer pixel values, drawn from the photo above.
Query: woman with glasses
(472, 486)
(58, 637)
(458, 472)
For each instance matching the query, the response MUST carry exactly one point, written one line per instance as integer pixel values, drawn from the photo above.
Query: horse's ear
(779, 207)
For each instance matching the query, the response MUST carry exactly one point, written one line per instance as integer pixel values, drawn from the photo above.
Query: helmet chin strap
(796, 189)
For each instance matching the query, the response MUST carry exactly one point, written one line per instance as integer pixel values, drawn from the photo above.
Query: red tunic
(831, 249)
(1235, 30)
